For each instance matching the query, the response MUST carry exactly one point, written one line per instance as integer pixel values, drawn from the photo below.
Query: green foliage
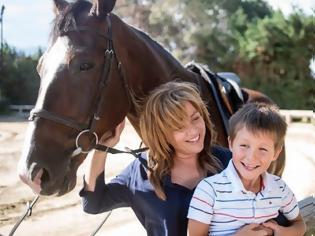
(270, 52)
(275, 54)
(19, 80)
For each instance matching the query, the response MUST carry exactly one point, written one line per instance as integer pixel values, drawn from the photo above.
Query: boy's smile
(253, 153)
(249, 167)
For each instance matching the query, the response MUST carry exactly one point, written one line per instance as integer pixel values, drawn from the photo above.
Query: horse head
(79, 74)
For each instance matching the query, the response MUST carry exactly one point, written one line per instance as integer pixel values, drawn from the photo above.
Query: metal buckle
(109, 51)
(79, 135)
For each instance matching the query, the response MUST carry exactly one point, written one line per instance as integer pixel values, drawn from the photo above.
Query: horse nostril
(45, 177)
(39, 175)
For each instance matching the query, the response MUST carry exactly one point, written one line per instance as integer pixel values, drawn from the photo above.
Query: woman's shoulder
(134, 172)
(223, 154)
(140, 164)
(140, 161)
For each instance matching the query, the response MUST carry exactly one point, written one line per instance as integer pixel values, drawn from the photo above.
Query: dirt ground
(59, 216)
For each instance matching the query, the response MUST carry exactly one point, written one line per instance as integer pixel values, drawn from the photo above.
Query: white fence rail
(22, 110)
(301, 115)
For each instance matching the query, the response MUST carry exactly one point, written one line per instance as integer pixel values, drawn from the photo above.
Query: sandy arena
(60, 216)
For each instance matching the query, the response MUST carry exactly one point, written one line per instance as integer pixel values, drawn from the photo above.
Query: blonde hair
(163, 112)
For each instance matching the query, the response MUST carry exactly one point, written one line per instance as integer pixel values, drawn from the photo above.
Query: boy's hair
(259, 117)
(164, 112)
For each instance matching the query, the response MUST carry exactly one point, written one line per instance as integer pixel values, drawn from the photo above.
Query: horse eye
(86, 66)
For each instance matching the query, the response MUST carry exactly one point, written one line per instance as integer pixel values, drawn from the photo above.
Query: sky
(27, 23)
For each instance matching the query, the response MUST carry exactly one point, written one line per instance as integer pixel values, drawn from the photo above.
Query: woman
(176, 127)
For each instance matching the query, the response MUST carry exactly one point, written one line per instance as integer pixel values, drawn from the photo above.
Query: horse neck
(145, 63)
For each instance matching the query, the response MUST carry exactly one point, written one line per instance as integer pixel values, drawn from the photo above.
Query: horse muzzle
(39, 180)
(33, 180)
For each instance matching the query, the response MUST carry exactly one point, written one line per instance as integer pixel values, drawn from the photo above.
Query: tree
(243, 36)
(19, 81)
(274, 56)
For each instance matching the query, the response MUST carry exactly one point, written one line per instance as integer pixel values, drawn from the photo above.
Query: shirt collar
(231, 173)
(268, 183)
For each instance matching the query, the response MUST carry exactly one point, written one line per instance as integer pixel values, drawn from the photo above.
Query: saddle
(225, 87)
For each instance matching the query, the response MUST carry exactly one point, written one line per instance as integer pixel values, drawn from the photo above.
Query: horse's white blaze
(22, 169)
(55, 60)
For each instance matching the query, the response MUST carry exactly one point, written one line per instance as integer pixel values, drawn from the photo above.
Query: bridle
(85, 128)
(88, 128)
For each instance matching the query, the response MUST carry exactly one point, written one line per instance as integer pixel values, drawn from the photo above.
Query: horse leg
(277, 166)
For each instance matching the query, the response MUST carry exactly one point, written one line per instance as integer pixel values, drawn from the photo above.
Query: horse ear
(101, 7)
(60, 5)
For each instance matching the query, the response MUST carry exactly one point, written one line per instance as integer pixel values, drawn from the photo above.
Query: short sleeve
(201, 204)
(289, 206)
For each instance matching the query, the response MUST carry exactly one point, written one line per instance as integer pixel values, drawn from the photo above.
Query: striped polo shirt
(222, 202)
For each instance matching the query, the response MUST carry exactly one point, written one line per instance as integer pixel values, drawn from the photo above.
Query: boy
(244, 195)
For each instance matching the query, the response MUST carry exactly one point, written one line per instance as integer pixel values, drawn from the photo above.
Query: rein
(100, 147)
(27, 213)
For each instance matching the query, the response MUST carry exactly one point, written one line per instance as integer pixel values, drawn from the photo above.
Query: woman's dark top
(131, 188)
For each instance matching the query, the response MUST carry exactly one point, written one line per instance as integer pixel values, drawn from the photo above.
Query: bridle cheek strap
(42, 113)
(89, 128)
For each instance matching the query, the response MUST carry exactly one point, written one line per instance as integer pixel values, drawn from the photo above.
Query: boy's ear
(277, 153)
(230, 143)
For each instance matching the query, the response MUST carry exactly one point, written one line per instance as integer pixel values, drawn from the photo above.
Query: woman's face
(188, 141)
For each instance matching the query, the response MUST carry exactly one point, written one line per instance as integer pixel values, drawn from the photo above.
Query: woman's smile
(194, 140)
(189, 139)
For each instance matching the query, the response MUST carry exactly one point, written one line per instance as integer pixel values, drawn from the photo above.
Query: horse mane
(67, 18)
(156, 45)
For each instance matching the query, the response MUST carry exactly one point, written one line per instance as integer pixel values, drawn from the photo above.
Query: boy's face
(252, 154)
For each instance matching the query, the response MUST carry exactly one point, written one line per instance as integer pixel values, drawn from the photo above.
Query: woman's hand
(96, 162)
(279, 230)
(254, 230)
(296, 228)
(113, 139)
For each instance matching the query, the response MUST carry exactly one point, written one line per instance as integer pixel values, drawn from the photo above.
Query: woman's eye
(86, 66)
(179, 129)
(196, 118)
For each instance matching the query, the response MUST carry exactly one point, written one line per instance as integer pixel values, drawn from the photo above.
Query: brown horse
(94, 73)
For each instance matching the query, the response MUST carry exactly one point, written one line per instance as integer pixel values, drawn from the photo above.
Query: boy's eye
(243, 145)
(263, 149)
